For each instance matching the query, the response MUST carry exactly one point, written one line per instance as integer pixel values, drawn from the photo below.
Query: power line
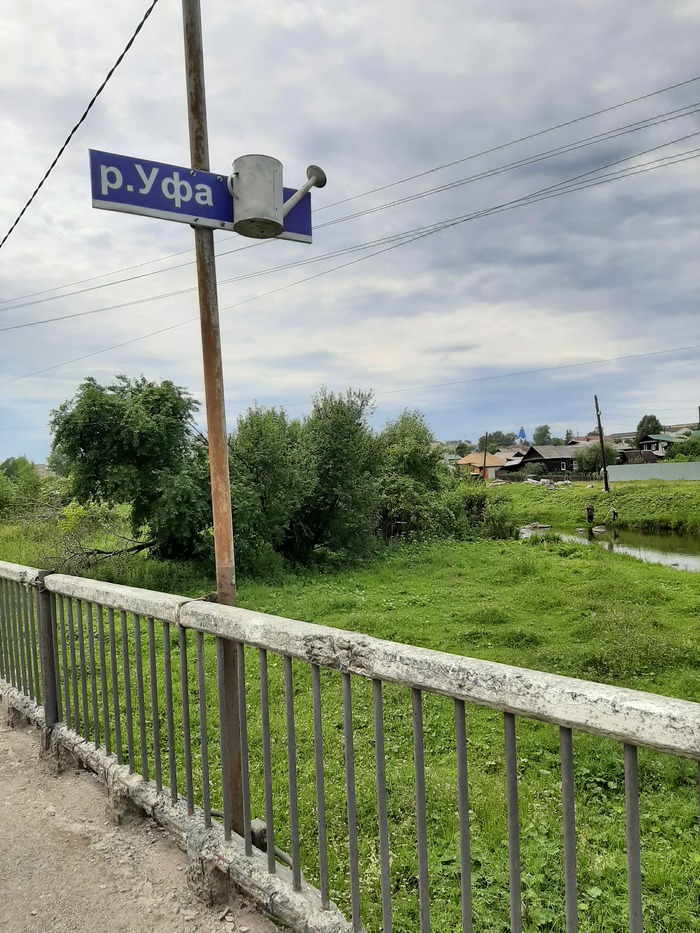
(531, 160)
(564, 187)
(543, 369)
(80, 121)
(507, 206)
(493, 149)
(521, 139)
(538, 157)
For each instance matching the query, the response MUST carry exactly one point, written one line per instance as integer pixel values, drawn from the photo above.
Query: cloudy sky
(417, 113)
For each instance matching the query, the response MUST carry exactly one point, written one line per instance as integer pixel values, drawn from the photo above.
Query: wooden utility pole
(227, 651)
(486, 450)
(602, 446)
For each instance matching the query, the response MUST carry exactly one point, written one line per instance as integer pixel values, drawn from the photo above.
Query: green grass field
(646, 506)
(543, 604)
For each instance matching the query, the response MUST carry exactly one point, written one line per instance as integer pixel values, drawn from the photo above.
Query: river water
(668, 548)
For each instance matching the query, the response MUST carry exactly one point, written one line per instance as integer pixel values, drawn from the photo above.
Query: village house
(481, 464)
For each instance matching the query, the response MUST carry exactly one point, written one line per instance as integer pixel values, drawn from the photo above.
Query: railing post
(46, 653)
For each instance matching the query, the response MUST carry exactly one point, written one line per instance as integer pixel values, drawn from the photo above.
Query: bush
(407, 509)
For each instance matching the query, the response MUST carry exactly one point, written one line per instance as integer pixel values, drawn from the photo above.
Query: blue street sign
(173, 192)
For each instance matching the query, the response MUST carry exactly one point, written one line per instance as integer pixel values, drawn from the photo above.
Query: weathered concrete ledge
(648, 719)
(662, 723)
(129, 598)
(17, 573)
(211, 857)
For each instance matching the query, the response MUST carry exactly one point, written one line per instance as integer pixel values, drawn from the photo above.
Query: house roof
(669, 438)
(477, 459)
(553, 452)
(512, 450)
(646, 456)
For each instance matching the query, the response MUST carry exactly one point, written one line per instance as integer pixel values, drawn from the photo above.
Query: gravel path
(65, 869)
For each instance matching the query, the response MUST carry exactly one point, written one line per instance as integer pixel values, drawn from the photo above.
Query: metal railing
(385, 821)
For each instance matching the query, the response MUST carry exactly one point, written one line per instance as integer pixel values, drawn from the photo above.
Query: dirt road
(64, 868)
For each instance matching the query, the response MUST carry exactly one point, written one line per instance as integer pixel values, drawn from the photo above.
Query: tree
(133, 441)
(589, 458)
(407, 448)
(463, 448)
(268, 484)
(7, 494)
(23, 476)
(497, 439)
(340, 457)
(684, 450)
(412, 471)
(649, 424)
(541, 435)
(569, 436)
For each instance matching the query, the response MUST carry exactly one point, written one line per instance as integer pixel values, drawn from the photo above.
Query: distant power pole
(602, 446)
(486, 450)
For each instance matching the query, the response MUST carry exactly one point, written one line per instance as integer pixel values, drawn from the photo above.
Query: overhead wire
(529, 160)
(506, 206)
(536, 158)
(72, 133)
(566, 186)
(472, 156)
(521, 139)
(408, 236)
(390, 242)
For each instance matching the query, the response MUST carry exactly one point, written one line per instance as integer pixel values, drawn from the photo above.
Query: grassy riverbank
(559, 607)
(544, 604)
(653, 505)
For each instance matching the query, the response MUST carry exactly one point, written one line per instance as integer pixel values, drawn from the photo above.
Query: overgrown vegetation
(322, 489)
(589, 459)
(685, 450)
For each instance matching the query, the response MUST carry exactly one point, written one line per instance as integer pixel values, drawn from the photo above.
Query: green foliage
(411, 474)
(649, 424)
(541, 435)
(407, 449)
(180, 516)
(23, 493)
(132, 442)
(269, 480)
(652, 505)
(24, 484)
(7, 494)
(407, 509)
(22, 474)
(684, 451)
(590, 460)
(497, 439)
(339, 507)
(468, 513)
(325, 487)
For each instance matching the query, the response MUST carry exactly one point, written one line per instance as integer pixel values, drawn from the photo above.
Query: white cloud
(373, 93)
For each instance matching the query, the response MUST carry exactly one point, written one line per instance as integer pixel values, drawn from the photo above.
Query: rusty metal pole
(216, 415)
